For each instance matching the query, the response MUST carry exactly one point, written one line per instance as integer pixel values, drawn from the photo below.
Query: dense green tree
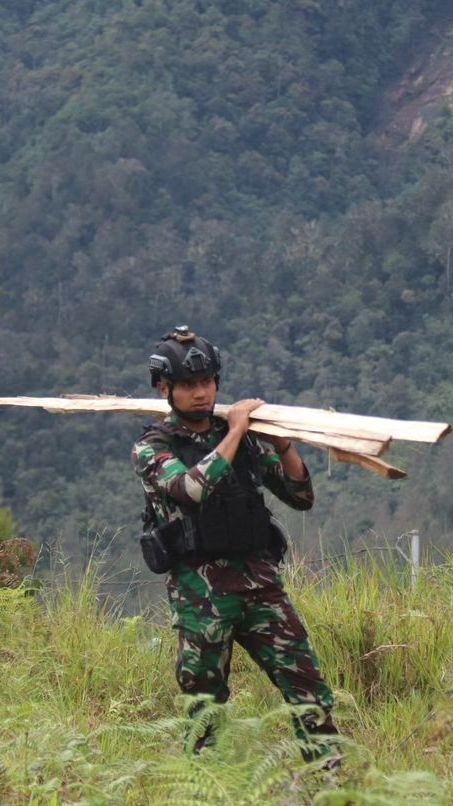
(216, 163)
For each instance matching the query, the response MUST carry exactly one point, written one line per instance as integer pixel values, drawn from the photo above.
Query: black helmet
(181, 354)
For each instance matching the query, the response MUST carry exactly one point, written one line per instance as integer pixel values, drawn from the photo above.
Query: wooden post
(415, 556)
(414, 559)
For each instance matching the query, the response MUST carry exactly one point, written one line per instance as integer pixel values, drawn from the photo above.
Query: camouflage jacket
(168, 483)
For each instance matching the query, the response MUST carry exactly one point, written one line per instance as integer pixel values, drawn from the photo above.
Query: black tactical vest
(233, 520)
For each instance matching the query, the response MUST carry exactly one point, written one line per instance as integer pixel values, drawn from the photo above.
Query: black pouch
(163, 546)
(224, 526)
(155, 553)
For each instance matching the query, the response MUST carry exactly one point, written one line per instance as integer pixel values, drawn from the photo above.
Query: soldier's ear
(164, 388)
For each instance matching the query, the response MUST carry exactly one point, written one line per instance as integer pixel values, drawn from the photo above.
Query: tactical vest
(232, 521)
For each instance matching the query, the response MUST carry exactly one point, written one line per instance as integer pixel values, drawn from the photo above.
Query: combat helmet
(181, 355)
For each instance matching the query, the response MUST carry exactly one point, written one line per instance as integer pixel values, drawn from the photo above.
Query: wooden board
(370, 463)
(77, 404)
(319, 440)
(320, 420)
(331, 421)
(353, 438)
(340, 432)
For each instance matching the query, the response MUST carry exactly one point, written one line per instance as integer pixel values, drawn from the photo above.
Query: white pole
(415, 556)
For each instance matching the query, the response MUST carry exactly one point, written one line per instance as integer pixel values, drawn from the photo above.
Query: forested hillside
(231, 165)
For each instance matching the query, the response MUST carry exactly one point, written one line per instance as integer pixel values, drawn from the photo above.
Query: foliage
(16, 557)
(8, 525)
(16, 554)
(98, 718)
(219, 163)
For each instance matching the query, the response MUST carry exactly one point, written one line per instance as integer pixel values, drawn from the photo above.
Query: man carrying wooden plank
(207, 525)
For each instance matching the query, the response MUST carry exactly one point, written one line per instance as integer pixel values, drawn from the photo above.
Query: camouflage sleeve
(297, 494)
(163, 473)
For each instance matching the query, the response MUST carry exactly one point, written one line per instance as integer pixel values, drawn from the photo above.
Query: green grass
(90, 712)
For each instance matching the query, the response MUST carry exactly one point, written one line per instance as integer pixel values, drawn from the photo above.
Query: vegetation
(219, 163)
(17, 555)
(8, 525)
(89, 708)
(223, 164)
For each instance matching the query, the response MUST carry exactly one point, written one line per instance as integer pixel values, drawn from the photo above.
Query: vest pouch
(155, 552)
(233, 526)
(239, 518)
(237, 507)
(223, 526)
(164, 545)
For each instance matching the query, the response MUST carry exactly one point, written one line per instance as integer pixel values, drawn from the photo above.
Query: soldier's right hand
(239, 413)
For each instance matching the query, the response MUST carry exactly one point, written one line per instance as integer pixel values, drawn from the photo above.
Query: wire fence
(132, 582)
(413, 559)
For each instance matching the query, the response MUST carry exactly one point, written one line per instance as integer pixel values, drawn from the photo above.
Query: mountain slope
(222, 164)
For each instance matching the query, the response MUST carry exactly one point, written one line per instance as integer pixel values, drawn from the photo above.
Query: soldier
(206, 523)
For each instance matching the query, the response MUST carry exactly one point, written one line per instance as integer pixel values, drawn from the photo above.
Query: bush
(17, 554)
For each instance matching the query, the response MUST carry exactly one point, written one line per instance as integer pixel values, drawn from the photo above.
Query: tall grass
(90, 712)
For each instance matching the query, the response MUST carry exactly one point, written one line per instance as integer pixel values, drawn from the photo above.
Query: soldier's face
(196, 394)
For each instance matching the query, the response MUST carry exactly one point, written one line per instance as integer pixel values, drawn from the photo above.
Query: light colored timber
(320, 440)
(375, 444)
(370, 463)
(341, 454)
(306, 419)
(292, 417)
(339, 432)
(76, 404)
(330, 421)
(321, 420)
(84, 403)
(350, 438)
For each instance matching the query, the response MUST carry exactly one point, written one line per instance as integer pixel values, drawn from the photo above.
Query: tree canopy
(219, 163)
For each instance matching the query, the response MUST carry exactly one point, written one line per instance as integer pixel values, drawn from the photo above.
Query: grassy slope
(90, 712)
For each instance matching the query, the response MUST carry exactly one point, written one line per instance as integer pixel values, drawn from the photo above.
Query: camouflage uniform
(216, 602)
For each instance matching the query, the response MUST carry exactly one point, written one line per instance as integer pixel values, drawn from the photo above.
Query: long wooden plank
(370, 463)
(377, 445)
(282, 420)
(329, 421)
(159, 407)
(86, 403)
(366, 461)
(321, 420)
(340, 432)
(318, 440)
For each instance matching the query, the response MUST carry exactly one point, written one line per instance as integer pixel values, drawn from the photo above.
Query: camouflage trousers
(222, 601)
